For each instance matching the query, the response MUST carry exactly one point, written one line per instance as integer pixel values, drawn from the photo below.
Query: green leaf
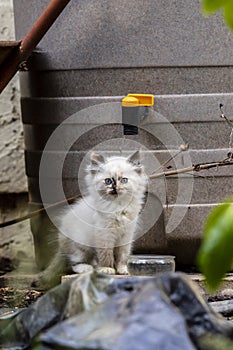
(210, 6)
(216, 253)
(228, 14)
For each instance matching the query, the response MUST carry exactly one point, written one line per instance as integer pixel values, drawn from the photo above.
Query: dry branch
(195, 167)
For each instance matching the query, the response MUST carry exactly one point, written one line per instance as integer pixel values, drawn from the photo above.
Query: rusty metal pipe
(41, 26)
(9, 68)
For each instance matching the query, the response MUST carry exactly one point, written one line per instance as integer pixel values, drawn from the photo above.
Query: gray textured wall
(12, 174)
(16, 240)
(100, 48)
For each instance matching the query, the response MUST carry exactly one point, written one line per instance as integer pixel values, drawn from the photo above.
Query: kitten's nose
(114, 186)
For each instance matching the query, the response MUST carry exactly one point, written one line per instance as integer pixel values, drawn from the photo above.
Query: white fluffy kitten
(98, 230)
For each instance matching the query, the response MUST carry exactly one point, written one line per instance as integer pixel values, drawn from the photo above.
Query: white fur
(98, 229)
(102, 223)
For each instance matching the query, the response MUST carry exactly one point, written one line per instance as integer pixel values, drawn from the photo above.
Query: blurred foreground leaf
(213, 5)
(228, 14)
(215, 342)
(210, 6)
(216, 253)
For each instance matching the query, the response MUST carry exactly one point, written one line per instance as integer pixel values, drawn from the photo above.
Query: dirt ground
(16, 298)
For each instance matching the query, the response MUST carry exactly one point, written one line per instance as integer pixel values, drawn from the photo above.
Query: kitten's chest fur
(115, 219)
(121, 217)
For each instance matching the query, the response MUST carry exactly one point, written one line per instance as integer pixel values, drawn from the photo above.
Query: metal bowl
(149, 265)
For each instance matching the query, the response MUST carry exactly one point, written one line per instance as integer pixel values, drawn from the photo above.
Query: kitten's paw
(36, 283)
(82, 268)
(41, 282)
(106, 270)
(122, 270)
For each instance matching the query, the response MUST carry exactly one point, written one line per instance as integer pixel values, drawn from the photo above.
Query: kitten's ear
(96, 161)
(97, 158)
(135, 159)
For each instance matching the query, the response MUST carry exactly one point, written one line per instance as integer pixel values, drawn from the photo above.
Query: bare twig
(229, 122)
(183, 148)
(195, 167)
(38, 211)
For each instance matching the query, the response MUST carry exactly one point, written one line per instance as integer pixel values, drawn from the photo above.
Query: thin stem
(183, 148)
(38, 211)
(197, 167)
(229, 122)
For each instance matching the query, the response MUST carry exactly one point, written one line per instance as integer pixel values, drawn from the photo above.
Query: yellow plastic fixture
(138, 100)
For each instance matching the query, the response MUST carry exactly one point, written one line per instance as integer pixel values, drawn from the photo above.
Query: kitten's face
(116, 177)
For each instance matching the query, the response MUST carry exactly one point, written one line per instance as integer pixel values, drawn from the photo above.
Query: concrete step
(226, 289)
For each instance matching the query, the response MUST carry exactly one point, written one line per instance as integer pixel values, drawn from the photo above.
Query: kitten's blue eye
(108, 181)
(124, 180)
